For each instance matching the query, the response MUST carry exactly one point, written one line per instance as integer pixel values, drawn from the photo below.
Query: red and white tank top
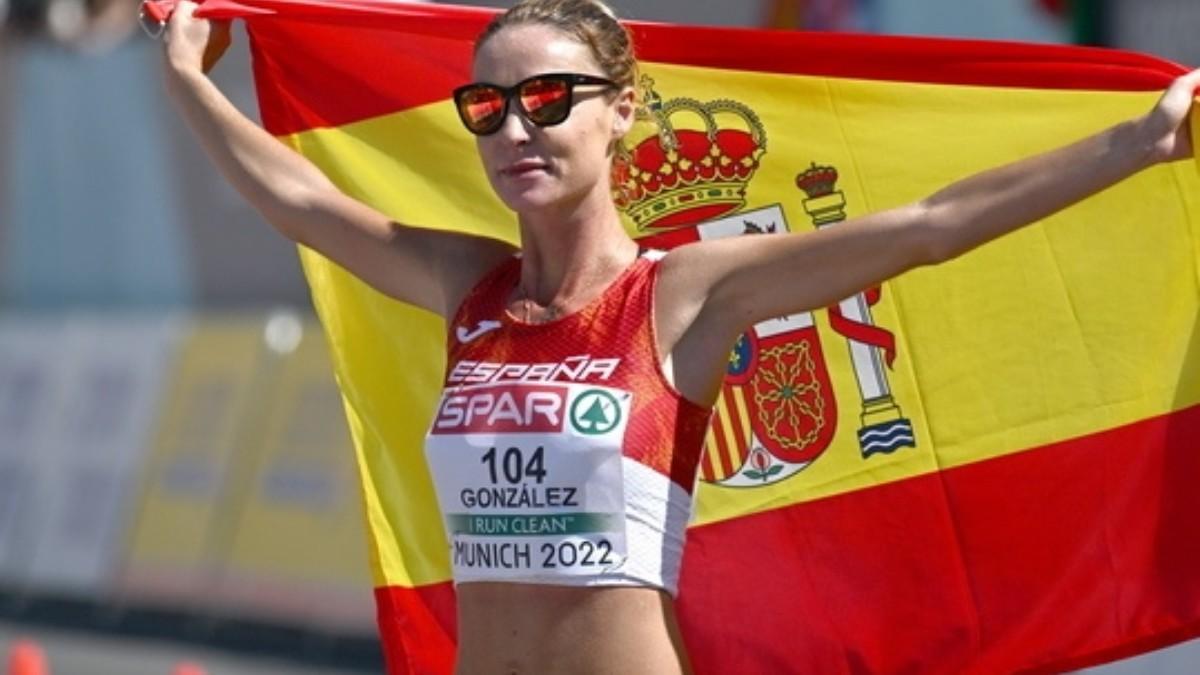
(559, 451)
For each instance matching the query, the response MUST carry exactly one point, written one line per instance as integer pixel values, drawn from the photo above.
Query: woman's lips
(524, 167)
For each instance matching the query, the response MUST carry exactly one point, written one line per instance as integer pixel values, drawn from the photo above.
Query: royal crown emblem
(825, 202)
(818, 181)
(693, 169)
(777, 411)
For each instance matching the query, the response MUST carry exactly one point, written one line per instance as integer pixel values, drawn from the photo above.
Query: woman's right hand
(1165, 129)
(193, 43)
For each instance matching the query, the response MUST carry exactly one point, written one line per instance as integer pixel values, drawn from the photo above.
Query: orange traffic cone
(187, 668)
(27, 658)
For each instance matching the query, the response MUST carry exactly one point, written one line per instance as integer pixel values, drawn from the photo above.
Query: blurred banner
(198, 464)
(298, 538)
(31, 392)
(198, 458)
(251, 505)
(111, 377)
(191, 464)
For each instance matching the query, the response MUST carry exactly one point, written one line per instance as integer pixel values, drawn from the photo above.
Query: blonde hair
(591, 22)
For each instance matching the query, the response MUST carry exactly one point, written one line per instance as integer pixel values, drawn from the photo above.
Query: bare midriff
(520, 629)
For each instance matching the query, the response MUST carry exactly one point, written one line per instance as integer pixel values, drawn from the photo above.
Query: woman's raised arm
(427, 268)
(711, 291)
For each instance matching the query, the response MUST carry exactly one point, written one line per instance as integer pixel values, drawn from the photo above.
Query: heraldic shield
(776, 412)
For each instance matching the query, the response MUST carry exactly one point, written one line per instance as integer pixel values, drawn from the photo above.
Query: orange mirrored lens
(482, 107)
(545, 101)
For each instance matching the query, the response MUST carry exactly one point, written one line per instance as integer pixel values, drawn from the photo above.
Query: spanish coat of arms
(777, 411)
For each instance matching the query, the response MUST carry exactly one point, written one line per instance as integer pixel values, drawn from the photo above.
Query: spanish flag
(986, 466)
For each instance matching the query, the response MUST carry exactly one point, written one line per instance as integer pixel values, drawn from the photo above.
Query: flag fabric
(985, 466)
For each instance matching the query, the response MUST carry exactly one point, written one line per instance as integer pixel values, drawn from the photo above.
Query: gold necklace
(550, 313)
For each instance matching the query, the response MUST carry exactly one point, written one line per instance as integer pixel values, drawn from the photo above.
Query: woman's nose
(515, 127)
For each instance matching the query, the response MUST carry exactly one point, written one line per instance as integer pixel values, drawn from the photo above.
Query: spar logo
(777, 411)
(503, 408)
(595, 412)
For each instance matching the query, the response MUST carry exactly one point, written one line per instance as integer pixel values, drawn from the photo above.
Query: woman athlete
(554, 94)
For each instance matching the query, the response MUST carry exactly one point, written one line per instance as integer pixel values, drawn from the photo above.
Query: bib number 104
(514, 466)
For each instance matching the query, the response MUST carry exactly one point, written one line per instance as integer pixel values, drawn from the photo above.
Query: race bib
(528, 476)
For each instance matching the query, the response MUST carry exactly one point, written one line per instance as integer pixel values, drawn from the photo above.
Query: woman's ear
(625, 113)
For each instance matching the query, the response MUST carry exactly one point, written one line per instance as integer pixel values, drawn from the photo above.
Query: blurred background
(176, 479)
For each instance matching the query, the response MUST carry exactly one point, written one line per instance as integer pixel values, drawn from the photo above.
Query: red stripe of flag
(337, 67)
(1077, 552)
(418, 627)
(718, 432)
(707, 468)
(738, 451)
(890, 583)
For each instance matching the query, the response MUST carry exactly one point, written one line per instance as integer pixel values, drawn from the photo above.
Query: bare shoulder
(686, 282)
(685, 264)
(691, 330)
(675, 294)
(687, 277)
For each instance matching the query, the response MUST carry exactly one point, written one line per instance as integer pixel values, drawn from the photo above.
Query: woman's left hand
(1166, 127)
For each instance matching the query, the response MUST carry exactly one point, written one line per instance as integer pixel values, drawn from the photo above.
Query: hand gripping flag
(987, 466)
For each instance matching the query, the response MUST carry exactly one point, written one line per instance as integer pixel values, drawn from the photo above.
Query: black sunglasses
(545, 100)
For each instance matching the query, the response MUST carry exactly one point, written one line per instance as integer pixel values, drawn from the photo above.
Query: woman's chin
(542, 194)
(530, 199)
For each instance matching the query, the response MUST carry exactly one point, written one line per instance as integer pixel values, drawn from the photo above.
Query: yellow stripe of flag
(978, 371)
